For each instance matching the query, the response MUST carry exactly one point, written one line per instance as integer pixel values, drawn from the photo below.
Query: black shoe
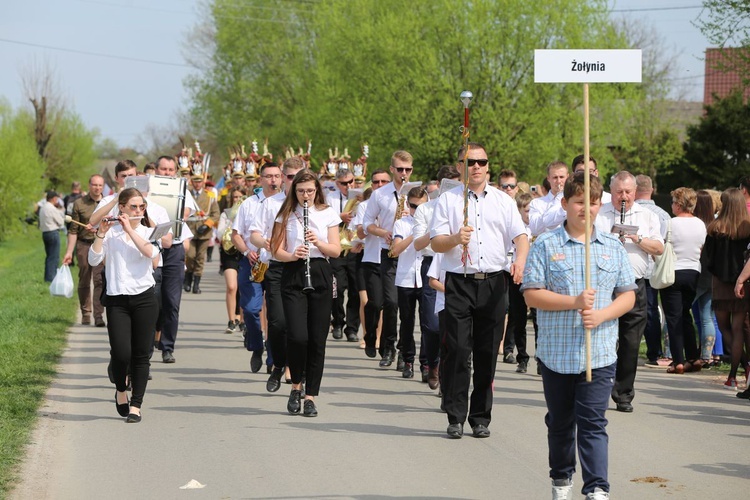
(625, 407)
(386, 360)
(522, 367)
(744, 394)
(256, 361)
(400, 364)
(187, 282)
(197, 285)
(122, 408)
(99, 323)
(370, 352)
(425, 371)
(408, 371)
(293, 405)
(538, 368)
(509, 359)
(338, 334)
(352, 337)
(167, 357)
(480, 431)
(455, 431)
(133, 418)
(309, 409)
(274, 380)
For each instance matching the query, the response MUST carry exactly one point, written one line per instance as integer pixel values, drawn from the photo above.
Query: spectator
(704, 317)
(51, 221)
(688, 234)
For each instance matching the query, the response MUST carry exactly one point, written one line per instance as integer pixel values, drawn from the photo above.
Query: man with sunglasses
(378, 220)
(509, 182)
(476, 291)
(344, 267)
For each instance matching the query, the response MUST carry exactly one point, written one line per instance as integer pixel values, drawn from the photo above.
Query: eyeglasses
(413, 205)
(508, 186)
(402, 170)
(345, 183)
(138, 207)
(290, 177)
(482, 163)
(306, 191)
(271, 176)
(381, 182)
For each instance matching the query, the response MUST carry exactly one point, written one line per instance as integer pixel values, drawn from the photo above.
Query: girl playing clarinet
(304, 236)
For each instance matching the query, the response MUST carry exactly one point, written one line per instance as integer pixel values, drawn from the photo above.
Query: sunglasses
(380, 182)
(290, 176)
(138, 207)
(482, 163)
(402, 170)
(508, 186)
(345, 183)
(413, 205)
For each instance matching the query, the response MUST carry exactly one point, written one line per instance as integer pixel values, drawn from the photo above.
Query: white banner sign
(587, 66)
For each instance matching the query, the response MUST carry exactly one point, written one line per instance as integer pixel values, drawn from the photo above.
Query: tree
(726, 23)
(390, 73)
(718, 147)
(20, 168)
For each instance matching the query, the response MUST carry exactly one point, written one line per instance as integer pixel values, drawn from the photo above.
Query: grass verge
(33, 327)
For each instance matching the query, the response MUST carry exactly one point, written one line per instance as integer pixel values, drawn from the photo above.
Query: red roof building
(721, 77)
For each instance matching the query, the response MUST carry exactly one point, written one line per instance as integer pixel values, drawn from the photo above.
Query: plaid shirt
(557, 263)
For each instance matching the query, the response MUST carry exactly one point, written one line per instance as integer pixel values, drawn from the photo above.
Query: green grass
(33, 328)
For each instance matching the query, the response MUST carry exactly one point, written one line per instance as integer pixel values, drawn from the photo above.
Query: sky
(120, 63)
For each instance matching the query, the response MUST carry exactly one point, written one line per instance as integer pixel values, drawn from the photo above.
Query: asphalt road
(207, 418)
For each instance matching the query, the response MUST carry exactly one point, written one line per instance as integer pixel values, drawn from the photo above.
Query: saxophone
(397, 216)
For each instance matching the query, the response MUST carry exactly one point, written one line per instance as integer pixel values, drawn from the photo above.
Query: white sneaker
(598, 494)
(562, 489)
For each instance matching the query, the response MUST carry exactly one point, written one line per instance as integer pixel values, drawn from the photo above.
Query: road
(378, 436)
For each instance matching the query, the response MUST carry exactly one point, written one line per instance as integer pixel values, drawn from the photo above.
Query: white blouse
(319, 221)
(128, 271)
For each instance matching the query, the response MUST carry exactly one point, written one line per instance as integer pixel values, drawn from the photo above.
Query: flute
(117, 219)
(305, 225)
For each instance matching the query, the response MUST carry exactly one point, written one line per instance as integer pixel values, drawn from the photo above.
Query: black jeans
(130, 324)
(515, 332)
(631, 326)
(677, 301)
(172, 276)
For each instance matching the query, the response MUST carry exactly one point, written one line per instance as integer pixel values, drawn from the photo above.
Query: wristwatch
(640, 239)
(244, 254)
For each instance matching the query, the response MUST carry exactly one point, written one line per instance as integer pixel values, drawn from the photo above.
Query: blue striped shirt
(557, 263)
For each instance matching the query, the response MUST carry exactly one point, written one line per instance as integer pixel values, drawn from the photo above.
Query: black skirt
(229, 261)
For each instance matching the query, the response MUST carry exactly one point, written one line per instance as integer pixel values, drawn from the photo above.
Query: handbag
(663, 275)
(62, 284)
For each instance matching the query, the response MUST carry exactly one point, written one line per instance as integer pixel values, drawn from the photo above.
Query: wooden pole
(587, 208)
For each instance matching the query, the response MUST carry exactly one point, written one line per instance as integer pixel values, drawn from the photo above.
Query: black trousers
(277, 334)
(429, 349)
(653, 325)
(677, 301)
(631, 327)
(380, 280)
(130, 324)
(345, 270)
(474, 322)
(515, 333)
(172, 275)
(307, 319)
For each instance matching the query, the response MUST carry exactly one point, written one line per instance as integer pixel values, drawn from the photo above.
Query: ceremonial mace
(466, 97)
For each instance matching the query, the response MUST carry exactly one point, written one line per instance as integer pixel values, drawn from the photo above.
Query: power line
(653, 9)
(97, 54)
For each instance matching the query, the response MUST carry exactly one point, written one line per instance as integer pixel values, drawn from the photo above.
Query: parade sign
(587, 66)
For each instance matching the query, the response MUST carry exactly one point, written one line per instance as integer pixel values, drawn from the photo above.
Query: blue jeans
(704, 318)
(251, 302)
(576, 416)
(52, 249)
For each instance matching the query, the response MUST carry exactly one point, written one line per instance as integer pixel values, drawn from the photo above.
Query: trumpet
(305, 226)
(397, 216)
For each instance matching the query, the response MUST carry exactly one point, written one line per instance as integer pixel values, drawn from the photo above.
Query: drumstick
(68, 218)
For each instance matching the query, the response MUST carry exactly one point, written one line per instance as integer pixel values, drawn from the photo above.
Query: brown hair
(684, 198)
(704, 207)
(401, 155)
(290, 204)
(732, 221)
(574, 186)
(129, 193)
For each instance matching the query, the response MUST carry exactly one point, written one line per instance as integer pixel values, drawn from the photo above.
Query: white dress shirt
(128, 271)
(648, 227)
(436, 272)
(409, 268)
(264, 218)
(318, 220)
(550, 206)
(381, 210)
(496, 222)
(371, 253)
(245, 217)
(422, 221)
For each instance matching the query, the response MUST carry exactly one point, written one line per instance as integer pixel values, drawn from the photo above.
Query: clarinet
(305, 224)
(622, 220)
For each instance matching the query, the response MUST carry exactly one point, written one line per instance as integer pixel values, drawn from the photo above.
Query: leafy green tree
(20, 168)
(718, 147)
(71, 152)
(389, 73)
(726, 23)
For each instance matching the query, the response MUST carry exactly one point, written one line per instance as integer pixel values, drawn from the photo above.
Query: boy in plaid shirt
(554, 283)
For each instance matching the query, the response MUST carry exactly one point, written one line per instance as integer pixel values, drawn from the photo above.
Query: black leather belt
(477, 276)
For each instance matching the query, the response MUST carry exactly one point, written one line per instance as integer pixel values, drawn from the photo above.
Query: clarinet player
(305, 235)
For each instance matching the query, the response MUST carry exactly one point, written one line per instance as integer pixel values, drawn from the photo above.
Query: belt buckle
(480, 276)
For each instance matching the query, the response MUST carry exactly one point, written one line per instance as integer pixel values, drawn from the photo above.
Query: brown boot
(433, 379)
